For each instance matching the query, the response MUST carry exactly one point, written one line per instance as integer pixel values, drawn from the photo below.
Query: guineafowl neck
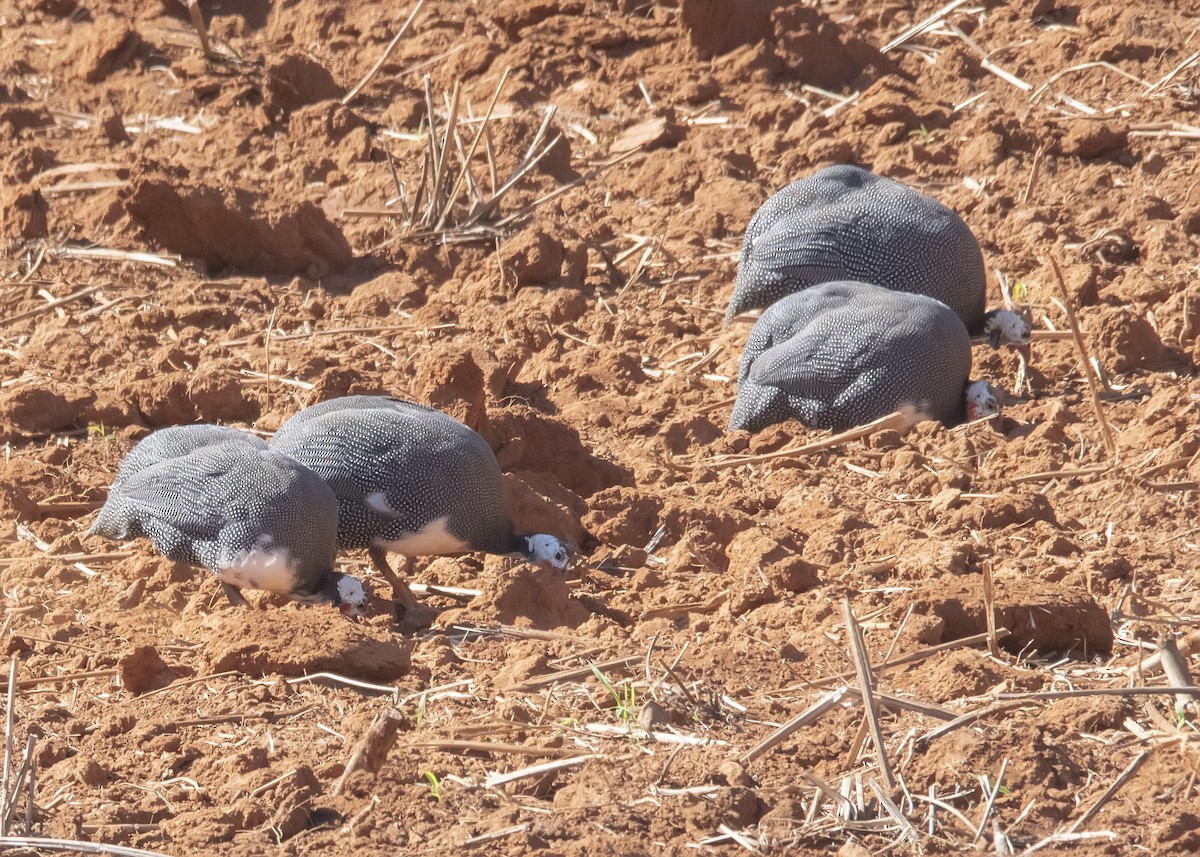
(518, 543)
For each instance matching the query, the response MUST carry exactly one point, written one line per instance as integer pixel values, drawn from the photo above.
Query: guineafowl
(221, 499)
(409, 479)
(845, 223)
(176, 441)
(838, 355)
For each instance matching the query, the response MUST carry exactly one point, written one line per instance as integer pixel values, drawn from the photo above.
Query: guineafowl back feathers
(844, 223)
(841, 354)
(159, 446)
(407, 477)
(254, 517)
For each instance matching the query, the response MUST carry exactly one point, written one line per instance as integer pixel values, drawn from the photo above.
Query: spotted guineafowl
(221, 499)
(176, 441)
(845, 223)
(409, 480)
(841, 354)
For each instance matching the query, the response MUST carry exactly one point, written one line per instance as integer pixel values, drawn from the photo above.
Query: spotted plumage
(220, 499)
(409, 479)
(176, 441)
(845, 223)
(838, 355)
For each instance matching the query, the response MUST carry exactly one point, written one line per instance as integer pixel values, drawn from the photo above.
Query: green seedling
(923, 134)
(97, 430)
(625, 699)
(435, 785)
(420, 711)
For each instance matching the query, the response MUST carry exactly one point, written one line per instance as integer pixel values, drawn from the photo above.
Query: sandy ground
(256, 259)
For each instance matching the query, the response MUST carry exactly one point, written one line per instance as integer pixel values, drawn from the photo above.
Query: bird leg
(234, 595)
(401, 594)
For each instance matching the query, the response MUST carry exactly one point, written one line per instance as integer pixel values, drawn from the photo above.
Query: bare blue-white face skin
(548, 551)
(982, 401)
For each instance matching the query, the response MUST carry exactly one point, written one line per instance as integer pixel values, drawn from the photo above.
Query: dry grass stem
(387, 52)
(1033, 174)
(457, 592)
(986, 63)
(266, 378)
(1173, 73)
(71, 509)
(579, 672)
(893, 701)
(465, 171)
(519, 633)
(536, 770)
(24, 776)
(899, 420)
(1084, 359)
(9, 724)
(862, 665)
(109, 254)
(334, 331)
(912, 657)
(76, 169)
(373, 748)
(562, 189)
(47, 307)
(193, 7)
(1187, 646)
(452, 746)
(808, 715)
(989, 610)
(68, 557)
(43, 843)
(941, 804)
(63, 188)
(1068, 473)
(932, 21)
(1129, 771)
(990, 792)
(907, 830)
(1191, 690)
(346, 680)
(54, 679)
(1049, 335)
(681, 609)
(965, 720)
(186, 681)
(1175, 667)
(502, 833)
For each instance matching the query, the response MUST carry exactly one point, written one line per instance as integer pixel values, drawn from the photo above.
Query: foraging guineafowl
(176, 441)
(409, 479)
(845, 223)
(841, 354)
(221, 499)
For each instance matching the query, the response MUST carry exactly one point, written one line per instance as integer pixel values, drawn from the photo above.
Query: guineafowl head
(1005, 327)
(548, 551)
(983, 401)
(341, 590)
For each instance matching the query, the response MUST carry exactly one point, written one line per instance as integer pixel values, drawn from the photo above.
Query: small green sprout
(924, 134)
(435, 785)
(97, 430)
(625, 699)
